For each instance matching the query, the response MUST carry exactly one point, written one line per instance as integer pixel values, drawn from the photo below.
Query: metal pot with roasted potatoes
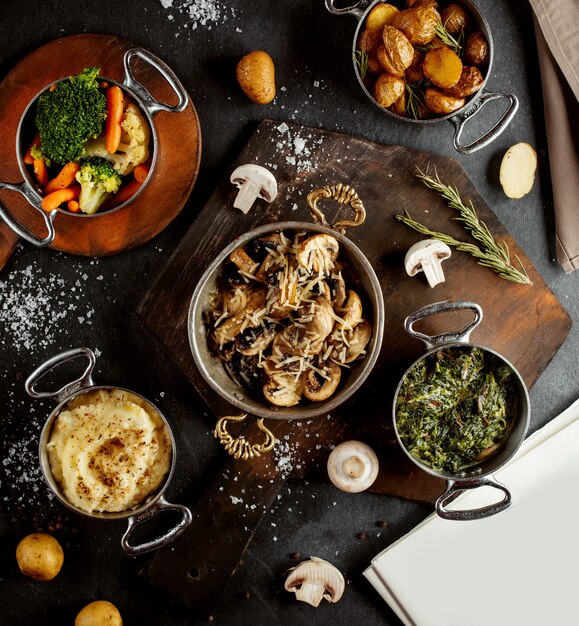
(424, 61)
(107, 452)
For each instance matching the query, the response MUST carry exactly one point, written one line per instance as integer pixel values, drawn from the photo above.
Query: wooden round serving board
(179, 150)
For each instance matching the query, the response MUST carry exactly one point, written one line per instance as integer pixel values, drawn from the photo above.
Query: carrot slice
(123, 194)
(28, 158)
(63, 179)
(73, 206)
(115, 103)
(141, 172)
(40, 172)
(56, 198)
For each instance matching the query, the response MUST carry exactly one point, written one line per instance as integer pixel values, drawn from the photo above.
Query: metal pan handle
(151, 104)
(356, 10)
(163, 540)
(459, 121)
(458, 487)
(462, 336)
(82, 382)
(19, 228)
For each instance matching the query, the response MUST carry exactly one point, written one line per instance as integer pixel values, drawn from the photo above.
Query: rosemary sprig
(414, 99)
(492, 254)
(446, 37)
(361, 59)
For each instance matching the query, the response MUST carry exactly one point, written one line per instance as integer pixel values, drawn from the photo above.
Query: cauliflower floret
(134, 147)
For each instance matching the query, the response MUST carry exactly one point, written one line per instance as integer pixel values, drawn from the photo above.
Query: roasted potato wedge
(388, 89)
(441, 103)
(396, 53)
(381, 15)
(476, 50)
(369, 41)
(470, 81)
(399, 106)
(414, 71)
(454, 18)
(418, 24)
(442, 67)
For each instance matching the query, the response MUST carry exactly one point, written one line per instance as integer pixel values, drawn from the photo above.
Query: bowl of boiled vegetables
(87, 144)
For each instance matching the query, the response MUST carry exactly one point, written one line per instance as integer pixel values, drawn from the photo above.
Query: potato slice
(518, 168)
(381, 15)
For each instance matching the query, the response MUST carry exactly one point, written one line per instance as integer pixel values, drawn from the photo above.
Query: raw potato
(518, 168)
(256, 76)
(442, 67)
(441, 103)
(476, 51)
(381, 15)
(419, 24)
(99, 613)
(39, 556)
(388, 89)
(397, 52)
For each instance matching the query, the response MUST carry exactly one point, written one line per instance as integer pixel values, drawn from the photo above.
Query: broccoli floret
(70, 115)
(98, 180)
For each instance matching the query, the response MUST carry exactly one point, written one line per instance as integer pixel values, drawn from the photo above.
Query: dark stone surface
(93, 302)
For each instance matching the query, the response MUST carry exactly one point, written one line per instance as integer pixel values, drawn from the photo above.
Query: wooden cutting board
(157, 205)
(525, 324)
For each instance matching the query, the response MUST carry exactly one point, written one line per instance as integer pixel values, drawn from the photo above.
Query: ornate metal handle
(461, 119)
(462, 336)
(459, 487)
(21, 230)
(163, 540)
(342, 194)
(150, 103)
(238, 447)
(82, 382)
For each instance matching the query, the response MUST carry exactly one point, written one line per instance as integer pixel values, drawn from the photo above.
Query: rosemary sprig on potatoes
(491, 253)
(415, 105)
(447, 38)
(361, 59)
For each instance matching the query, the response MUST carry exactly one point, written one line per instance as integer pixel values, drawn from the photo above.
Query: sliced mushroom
(318, 253)
(317, 388)
(253, 181)
(353, 466)
(284, 389)
(337, 290)
(243, 318)
(351, 312)
(255, 340)
(427, 256)
(315, 579)
(349, 344)
(243, 261)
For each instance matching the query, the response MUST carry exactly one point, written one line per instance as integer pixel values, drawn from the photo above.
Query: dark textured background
(93, 303)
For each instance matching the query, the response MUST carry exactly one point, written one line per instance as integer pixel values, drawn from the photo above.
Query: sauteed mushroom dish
(283, 319)
(421, 60)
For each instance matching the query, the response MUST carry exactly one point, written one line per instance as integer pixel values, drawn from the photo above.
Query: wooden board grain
(179, 150)
(525, 324)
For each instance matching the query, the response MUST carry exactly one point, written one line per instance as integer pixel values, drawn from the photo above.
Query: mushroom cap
(257, 175)
(315, 579)
(353, 466)
(424, 252)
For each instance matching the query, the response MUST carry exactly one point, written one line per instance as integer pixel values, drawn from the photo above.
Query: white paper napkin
(520, 567)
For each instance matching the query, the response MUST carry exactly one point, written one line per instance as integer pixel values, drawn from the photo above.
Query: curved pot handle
(459, 121)
(84, 381)
(166, 72)
(462, 336)
(168, 537)
(19, 228)
(342, 194)
(458, 487)
(356, 10)
(239, 447)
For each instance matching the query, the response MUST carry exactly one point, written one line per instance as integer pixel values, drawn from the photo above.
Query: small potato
(397, 52)
(381, 15)
(256, 76)
(441, 103)
(414, 71)
(518, 167)
(99, 613)
(418, 24)
(454, 18)
(421, 3)
(39, 556)
(388, 89)
(470, 82)
(399, 106)
(476, 50)
(442, 67)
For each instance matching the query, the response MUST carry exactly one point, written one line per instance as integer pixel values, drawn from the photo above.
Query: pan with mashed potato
(109, 450)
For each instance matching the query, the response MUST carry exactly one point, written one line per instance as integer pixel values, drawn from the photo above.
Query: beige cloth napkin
(557, 33)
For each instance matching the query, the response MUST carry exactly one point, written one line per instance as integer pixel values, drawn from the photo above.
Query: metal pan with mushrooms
(283, 319)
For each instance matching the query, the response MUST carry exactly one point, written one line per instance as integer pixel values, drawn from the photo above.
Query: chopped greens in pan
(455, 407)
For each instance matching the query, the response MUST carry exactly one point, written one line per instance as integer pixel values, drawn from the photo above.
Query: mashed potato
(108, 451)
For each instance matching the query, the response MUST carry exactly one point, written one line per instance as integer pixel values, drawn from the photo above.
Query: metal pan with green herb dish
(461, 411)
